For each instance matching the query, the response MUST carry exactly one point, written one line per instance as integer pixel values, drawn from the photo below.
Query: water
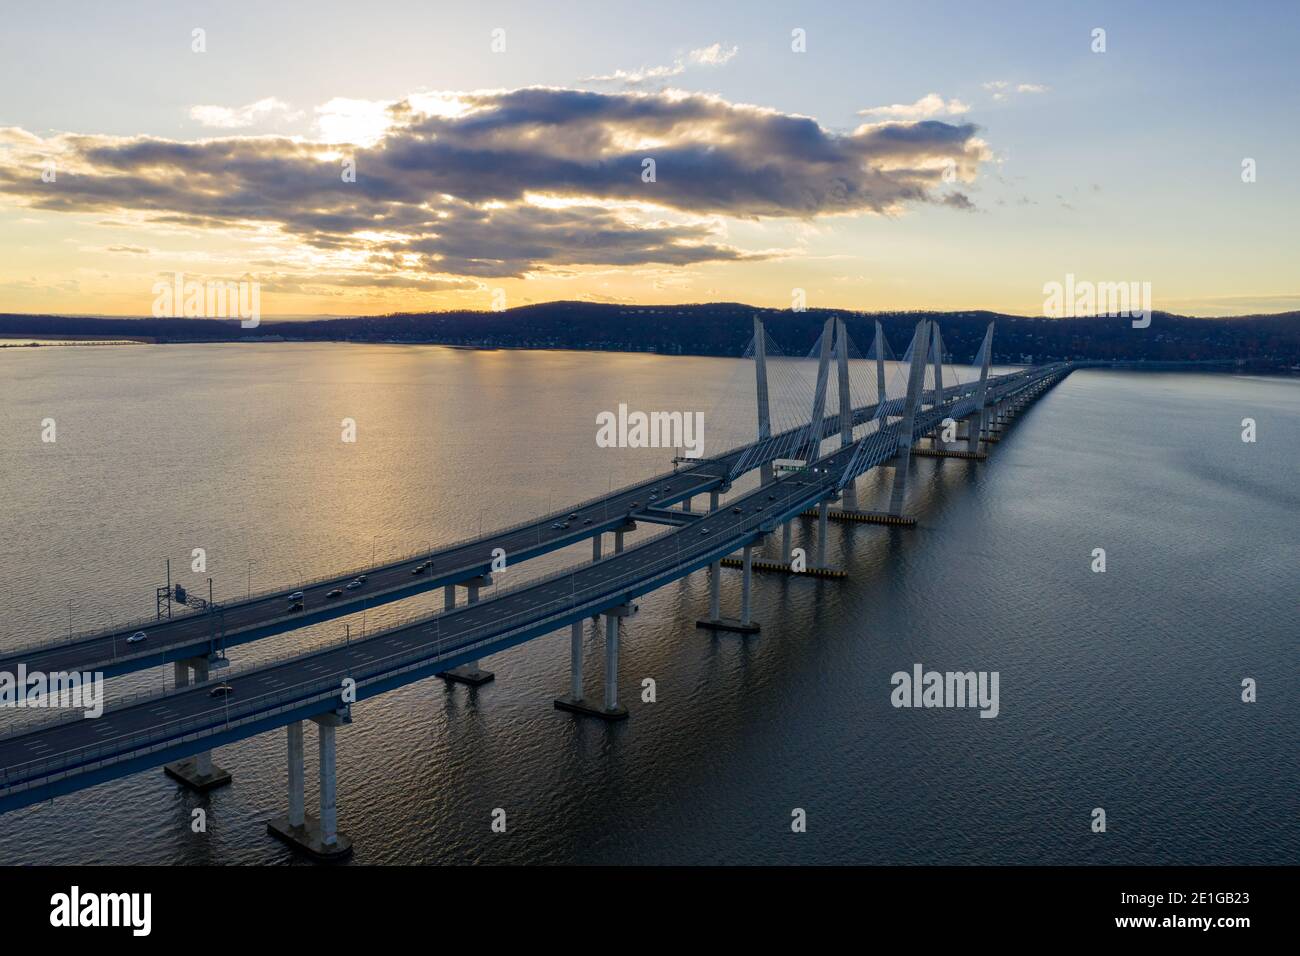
(1118, 690)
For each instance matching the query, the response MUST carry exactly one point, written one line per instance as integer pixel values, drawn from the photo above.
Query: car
(353, 585)
(362, 577)
(136, 638)
(586, 521)
(654, 497)
(419, 569)
(704, 531)
(771, 497)
(636, 504)
(565, 525)
(221, 690)
(557, 526)
(337, 592)
(295, 596)
(295, 606)
(737, 511)
(573, 516)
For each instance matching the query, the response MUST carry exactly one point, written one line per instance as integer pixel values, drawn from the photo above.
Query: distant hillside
(724, 329)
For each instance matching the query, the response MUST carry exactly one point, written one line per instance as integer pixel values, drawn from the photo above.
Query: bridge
(179, 728)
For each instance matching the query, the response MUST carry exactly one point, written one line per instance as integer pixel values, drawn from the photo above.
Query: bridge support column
(197, 772)
(787, 541)
(317, 836)
(849, 501)
(713, 501)
(746, 585)
(715, 621)
(973, 430)
(595, 547)
(821, 532)
(715, 590)
(611, 664)
(686, 505)
(297, 813)
(470, 673)
(449, 597)
(618, 540)
(574, 703)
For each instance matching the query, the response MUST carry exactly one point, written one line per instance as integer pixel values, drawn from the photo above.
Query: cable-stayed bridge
(181, 727)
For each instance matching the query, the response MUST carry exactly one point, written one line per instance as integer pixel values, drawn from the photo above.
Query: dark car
(337, 592)
(295, 606)
(221, 690)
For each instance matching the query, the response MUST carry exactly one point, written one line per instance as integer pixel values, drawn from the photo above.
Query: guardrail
(595, 596)
(830, 423)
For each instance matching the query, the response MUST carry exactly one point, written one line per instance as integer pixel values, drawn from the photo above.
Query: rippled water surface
(1118, 690)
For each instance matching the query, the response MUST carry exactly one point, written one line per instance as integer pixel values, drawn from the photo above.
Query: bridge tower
(915, 380)
(760, 381)
(976, 424)
(936, 357)
(879, 348)
(846, 403)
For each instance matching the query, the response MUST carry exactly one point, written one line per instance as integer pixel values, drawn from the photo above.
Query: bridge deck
(268, 614)
(61, 757)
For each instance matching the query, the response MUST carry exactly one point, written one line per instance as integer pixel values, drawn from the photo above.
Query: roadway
(267, 614)
(60, 757)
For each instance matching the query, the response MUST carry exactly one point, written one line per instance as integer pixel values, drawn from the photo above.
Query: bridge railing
(830, 424)
(140, 623)
(328, 688)
(482, 635)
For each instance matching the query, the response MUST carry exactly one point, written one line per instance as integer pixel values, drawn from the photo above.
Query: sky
(365, 158)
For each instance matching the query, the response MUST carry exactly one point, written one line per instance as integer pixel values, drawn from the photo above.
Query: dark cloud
(451, 190)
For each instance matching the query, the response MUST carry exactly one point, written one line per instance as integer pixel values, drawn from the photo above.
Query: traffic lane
(260, 610)
(455, 630)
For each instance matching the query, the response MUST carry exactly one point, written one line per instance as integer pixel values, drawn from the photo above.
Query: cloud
(1001, 89)
(932, 104)
(503, 183)
(238, 117)
(713, 55)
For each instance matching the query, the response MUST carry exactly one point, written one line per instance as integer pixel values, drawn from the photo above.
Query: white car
(136, 638)
(353, 585)
(295, 596)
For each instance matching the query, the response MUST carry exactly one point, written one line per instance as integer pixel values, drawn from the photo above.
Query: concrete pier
(470, 673)
(198, 773)
(821, 532)
(575, 702)
(317, 836)
(715, 621)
